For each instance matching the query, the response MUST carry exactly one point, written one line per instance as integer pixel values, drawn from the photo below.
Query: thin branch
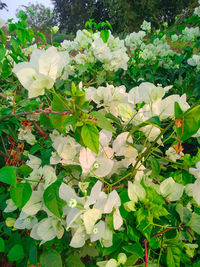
(39, 129)
(35, 112)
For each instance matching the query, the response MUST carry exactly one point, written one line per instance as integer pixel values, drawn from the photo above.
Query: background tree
(40, 18)
(124, 15)
(72, 14)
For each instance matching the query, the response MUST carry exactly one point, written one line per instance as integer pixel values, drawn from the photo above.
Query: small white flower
(95, 231)
(72, 203)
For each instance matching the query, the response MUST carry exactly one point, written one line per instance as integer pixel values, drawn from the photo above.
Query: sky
(15, 4)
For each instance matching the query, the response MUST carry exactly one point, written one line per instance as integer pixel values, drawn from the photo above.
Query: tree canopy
(124, 15)
(40, 18)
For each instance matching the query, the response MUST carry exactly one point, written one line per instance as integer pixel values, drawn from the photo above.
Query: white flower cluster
(190, 34)
(194, 61)
(156, 50)
(91, 48)
(87, 216)
(135, 39)
(146, 26)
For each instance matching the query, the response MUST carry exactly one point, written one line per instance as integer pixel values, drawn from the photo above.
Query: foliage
(40, 18)
(124, 15)
(99, 147)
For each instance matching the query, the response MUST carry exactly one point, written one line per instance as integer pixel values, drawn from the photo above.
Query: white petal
(90, 217)
(72, 216)
(96, 189)
(100, 226)
(105, 137)
(34, 204)
(78, 239)
(105, 167)
(196, 191)
(117, 219)
(113, 201)
(86, 158)
(45, 230)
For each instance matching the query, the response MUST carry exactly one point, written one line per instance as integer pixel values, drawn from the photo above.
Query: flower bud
(55, 29)
(122, 258)
(10, 222)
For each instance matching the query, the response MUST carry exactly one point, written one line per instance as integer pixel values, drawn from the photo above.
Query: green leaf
(22, 15)
(2, 245)
(2, 52)
(45, 121)
(14, 43)
(194, 223)
(59, 104)
(184, 213)
(173, 256)
(74, 261)
(16, 253)
(50, 258)
(71, 120)
(155, 166)
(190, 123)
(33, 255)
(177, 109)
(12, 27)
(8, 175)
(52, 200)
(90, 136)
(104, 35)
(102, 121)
(21, 194)
(131, 260)
(134, 249)
(24, 170)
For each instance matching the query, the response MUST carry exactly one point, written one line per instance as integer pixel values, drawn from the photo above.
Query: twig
(162, 232)
(3, 154)
(191, 234)
(35, 112)
(146, 254)
(39, 129)
(4, 146)
(3, 96)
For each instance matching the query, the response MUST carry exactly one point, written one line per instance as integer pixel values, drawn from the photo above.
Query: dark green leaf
(16, 253)
(33, 255)
(8, 175)
(2, 245)
(194, 223)
(2, 52)
(184, 213)
(74, 261)
(50, 258)
(155, 166)
(52, 200)
(21, 194)
(173, 256)
(24, 170)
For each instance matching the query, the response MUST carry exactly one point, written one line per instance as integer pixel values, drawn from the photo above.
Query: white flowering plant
(97, 168)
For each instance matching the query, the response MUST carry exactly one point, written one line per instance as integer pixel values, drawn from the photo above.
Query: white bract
(173, 155)
(26, 134)
(42, 70)
(171, 190)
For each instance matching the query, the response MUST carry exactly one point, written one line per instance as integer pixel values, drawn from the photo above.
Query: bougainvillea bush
(99, 156)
